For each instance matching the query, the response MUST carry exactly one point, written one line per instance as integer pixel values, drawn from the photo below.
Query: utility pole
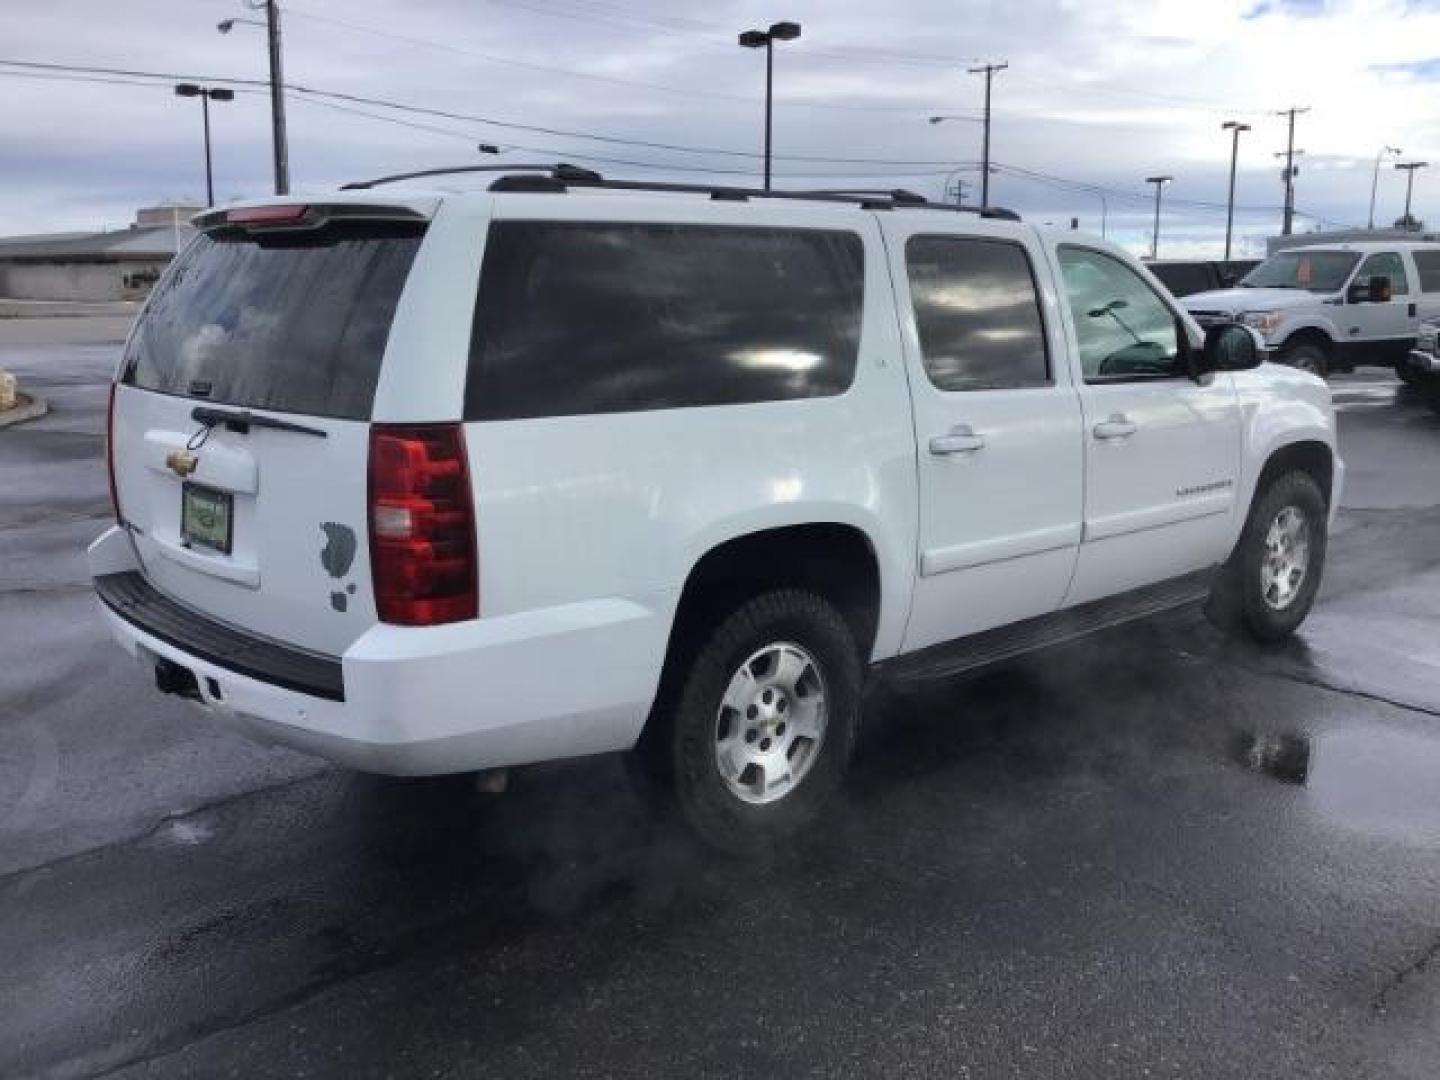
(1375, 180)
(277, 100)
(277, 85)
(1159, 182)
(1235, 128)
(1409, 167)
(988, 70)
(1289, 220)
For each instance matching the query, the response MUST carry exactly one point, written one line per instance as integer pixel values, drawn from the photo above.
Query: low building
(120, 264)
(1348, 236)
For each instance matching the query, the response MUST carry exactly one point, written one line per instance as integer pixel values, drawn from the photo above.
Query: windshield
(1316, 271)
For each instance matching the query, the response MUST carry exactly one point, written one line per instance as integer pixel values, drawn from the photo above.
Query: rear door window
(1428, 265)
(977, 313)
(578, 318)
(291, 322)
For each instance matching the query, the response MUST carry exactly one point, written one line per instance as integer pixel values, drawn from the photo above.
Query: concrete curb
(27, 407)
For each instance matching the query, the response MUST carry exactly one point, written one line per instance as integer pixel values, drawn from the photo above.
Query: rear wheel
(764, 721)
(1406, 374)
(1307, 357)
(1275, 571)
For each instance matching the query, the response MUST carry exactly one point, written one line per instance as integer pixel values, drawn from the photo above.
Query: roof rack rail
(559, 171)
(560, 177)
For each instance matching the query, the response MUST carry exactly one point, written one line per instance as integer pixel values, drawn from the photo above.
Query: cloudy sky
(1099, 94)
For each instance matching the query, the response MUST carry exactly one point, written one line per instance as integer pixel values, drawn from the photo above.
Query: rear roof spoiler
(297, 216)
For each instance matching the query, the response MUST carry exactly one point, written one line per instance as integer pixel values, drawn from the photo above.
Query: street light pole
(988, 70)
(205, 93)
(754, 39)
(1159, 182)
(1375, 180)
(279, 138)
(1409, 167)
(1235, 128)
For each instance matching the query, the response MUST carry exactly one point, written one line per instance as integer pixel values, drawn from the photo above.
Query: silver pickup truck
(1331, 307)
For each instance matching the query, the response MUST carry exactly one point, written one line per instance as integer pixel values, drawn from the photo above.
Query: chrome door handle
(961, 440)
(1119, 426)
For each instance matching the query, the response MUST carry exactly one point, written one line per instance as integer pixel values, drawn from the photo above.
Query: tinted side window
(576, 317)
(977, 313)
(1428, 263)
(1125, 331)
(1385, 264)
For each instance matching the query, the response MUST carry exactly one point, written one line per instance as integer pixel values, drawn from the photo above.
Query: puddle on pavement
(1374, 780)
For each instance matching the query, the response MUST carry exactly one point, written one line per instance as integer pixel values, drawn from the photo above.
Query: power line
(446, 114)
(469, 137)
(612, 80)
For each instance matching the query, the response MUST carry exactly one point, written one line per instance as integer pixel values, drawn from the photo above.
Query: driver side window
(1124, 330)
(1386, 264)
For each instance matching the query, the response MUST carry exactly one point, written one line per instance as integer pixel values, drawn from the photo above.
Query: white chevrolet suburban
(465, 479)
(1327, 308)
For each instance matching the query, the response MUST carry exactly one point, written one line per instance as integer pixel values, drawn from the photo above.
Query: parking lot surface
(1155, 853)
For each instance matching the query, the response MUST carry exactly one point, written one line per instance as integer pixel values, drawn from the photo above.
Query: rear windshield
(291, 322)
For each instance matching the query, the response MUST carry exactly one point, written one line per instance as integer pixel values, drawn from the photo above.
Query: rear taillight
(110, 454)
(422, 525)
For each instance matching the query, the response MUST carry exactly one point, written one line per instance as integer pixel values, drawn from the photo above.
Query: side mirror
(1377, 291)
(1228, 347)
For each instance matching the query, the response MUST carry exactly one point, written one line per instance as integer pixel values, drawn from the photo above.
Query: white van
(457, 480)
(1330, 307)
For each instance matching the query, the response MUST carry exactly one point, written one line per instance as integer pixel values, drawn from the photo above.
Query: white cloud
(1098, 91)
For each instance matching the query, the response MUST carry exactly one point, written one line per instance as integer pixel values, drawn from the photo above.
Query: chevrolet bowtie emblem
(181, 462)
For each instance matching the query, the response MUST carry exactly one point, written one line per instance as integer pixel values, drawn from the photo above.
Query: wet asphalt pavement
(1155, 853)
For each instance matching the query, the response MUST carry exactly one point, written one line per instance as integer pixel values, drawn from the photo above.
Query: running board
(1007, 642)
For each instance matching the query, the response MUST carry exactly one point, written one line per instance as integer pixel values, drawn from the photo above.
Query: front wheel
(1276, 568)
(1307, 357)
(765, 721)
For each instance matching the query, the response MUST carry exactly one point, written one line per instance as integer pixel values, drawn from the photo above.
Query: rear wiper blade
(242, 420)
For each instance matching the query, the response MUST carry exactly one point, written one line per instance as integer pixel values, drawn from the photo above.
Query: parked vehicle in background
(1422, 367)
(1333, 307)
(1185, 277)
(440, 481)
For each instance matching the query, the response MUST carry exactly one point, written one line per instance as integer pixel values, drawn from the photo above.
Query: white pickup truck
(1330, 307)
(451, 479)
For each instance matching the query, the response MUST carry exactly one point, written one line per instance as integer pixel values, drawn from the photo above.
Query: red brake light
(422, 525)
(285, 214)
(110, 454)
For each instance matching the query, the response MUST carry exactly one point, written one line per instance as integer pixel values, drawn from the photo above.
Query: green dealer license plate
(205, 517)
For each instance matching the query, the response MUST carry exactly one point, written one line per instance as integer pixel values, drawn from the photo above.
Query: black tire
(686, 732)
(1406, 374)
(1307, 357)
(1241, 593)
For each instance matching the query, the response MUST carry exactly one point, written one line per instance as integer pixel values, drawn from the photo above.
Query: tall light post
(1375, 180)
(1159, 182)
(1235, 128)
(279, 138)
(988, 70)
(756, 39)
(206, 94)
(1409, 167)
